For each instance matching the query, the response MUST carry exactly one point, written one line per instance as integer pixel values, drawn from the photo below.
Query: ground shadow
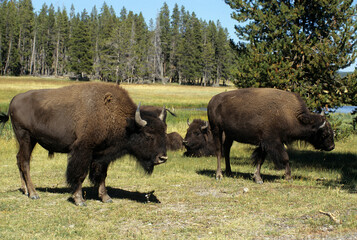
(247, 176)
(90, 193)
(346, 163)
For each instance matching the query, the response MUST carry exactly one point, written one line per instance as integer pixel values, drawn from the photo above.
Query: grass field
(188, 203)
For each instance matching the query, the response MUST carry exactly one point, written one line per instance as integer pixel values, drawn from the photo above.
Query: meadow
(188, 202)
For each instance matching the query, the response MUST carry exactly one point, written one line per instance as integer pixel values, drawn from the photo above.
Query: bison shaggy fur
(267, 118)
(95, 123)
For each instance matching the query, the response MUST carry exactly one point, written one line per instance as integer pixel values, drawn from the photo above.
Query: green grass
(188, 203)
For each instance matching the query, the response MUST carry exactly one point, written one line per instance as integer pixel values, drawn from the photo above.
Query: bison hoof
(108, 201)
(259, 181)
(34, 197)
(81, 204)
(219, 176)
(288, 177)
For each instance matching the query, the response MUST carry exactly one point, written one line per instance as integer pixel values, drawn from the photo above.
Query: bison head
(147, 139)
(198, 139)
(322, 139)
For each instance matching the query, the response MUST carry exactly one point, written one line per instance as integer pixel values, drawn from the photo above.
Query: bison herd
(97, 123)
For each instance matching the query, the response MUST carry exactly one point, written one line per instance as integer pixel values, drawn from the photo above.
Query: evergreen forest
(176, 47)
(294, 45)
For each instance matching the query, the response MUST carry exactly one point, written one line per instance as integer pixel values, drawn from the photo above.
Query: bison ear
(108, 98)
(316, 121)
(305, 119)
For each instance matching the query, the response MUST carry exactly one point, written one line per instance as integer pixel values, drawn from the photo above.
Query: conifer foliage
(298, 45)
(176, 47)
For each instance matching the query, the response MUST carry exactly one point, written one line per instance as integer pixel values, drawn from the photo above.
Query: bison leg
(77, 170)
(227, 148)
(26, 145)
(102, 193)
(259, 156)
(217, 138)
(97, 175)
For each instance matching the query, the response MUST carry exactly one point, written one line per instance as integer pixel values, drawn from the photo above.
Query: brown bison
(174, 141)
(95, 123)
(267, 118)
(198, 140)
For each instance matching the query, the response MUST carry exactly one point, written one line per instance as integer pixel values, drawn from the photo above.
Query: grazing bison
(267, 118)
(198, 140)
(174, 141)
(95, 123)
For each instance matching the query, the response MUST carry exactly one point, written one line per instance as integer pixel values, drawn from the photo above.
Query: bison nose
(160, 160)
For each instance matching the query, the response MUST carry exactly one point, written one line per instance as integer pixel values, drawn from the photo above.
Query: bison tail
(4, 118)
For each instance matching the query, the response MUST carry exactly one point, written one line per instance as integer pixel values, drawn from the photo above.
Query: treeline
(175, 47)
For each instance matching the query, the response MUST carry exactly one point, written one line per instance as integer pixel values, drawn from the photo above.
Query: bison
(95, 123)
(198, 140)
(267, 118)
(174, 141)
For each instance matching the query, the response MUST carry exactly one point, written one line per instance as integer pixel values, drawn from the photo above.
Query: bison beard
(267, 118)
(95, 123)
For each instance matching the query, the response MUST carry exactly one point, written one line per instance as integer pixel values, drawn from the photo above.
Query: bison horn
(322, 125)
(188, 122)
(138, 119)
(162, 114)
(205, 126)
(160, 160)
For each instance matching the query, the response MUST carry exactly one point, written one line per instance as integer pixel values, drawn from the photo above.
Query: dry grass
(188, 203)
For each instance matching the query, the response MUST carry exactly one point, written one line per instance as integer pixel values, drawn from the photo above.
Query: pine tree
(11, 58)
(42, 19)
(141, 46)
(61, 42)
(208, 52)
(297, 45)
(107, 23)
(222, 52)
(175, 39)
(81, 60)
(2, 33)
(26, 26)
(94, 33)
(165, 36)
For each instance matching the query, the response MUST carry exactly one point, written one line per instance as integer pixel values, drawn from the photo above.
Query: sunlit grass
(193, 205)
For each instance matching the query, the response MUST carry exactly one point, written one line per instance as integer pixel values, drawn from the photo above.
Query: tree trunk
(19, 51)
(32, 63)
(8, 55)
(218, 76)
(57, 53)
(180, 78)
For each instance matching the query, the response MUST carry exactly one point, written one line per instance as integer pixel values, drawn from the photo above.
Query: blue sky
(204, 9)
